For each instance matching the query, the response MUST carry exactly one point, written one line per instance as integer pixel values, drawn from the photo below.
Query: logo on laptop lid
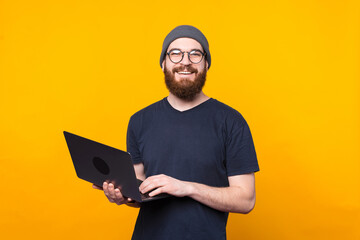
(101, 165)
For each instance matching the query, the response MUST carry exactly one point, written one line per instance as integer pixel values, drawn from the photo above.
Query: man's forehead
(185, 44)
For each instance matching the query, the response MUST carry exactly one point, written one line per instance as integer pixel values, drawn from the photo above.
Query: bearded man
(190, 146)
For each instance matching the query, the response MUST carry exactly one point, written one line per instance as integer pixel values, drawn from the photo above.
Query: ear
(162, 65)
(207, 65)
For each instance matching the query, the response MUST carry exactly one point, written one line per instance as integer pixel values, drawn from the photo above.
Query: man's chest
(184, 149)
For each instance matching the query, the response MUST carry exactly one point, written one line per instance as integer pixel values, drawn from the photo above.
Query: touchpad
(101, 165)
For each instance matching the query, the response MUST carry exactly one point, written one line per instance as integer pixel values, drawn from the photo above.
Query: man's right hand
(113, 194)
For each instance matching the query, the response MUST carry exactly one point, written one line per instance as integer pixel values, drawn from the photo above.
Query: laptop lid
(96, 163)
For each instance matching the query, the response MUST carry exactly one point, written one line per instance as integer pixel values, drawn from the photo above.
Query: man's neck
(182, 105)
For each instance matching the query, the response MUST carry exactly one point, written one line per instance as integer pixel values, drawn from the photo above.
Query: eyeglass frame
(203, 54)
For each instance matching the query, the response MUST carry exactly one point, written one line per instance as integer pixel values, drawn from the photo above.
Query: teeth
(184, 72)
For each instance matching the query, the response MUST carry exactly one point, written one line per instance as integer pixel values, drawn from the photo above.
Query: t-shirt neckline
(188, 110)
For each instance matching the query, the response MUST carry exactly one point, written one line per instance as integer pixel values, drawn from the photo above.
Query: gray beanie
(186, 31)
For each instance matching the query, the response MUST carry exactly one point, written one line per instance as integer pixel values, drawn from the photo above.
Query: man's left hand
(165, 184)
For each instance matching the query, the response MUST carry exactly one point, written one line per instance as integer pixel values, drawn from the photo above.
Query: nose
(185, 60)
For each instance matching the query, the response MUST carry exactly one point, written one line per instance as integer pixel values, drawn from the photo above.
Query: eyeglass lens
(176, 56)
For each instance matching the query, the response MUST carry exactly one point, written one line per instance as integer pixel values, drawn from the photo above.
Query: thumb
(97, 187)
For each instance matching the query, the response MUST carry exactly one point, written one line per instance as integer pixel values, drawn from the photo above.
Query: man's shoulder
(150, 109)
(225, 109)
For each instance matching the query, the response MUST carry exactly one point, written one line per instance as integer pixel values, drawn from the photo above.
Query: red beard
(185, 89)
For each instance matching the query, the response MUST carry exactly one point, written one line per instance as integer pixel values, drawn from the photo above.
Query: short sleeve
(240, 150)
(131, 141)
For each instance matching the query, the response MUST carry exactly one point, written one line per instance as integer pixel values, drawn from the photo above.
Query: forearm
(226, 199)
(238, 197)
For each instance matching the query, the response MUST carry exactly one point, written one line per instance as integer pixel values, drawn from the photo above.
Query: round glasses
(176, 56)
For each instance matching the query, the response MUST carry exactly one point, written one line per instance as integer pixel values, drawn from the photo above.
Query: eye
(175, 52)
(196, 53)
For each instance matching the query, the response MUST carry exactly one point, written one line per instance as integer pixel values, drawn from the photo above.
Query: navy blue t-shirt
(205, 144)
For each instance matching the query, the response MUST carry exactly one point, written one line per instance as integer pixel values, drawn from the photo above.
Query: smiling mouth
(185, 73)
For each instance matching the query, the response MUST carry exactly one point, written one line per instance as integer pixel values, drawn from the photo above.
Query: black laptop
(97, 163)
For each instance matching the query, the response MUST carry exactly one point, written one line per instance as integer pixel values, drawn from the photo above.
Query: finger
(147, 184)
(105, 185)
(157, 179)
(105, 188)
(111, 190)
(152, 184)
(157, 191)
(148, 181)
(97, 187)
(151, 187)
(146, 188)
(106, 192)
(144, 182)
(118, 194)
(119, 197)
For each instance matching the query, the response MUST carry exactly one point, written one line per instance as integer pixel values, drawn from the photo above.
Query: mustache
(184, 69)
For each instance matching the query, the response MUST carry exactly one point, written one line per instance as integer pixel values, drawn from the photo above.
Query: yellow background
(290, 67)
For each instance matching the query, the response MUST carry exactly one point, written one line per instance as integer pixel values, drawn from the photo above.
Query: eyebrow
(189, 51)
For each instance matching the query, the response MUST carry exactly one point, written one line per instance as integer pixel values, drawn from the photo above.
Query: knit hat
(189, 32)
